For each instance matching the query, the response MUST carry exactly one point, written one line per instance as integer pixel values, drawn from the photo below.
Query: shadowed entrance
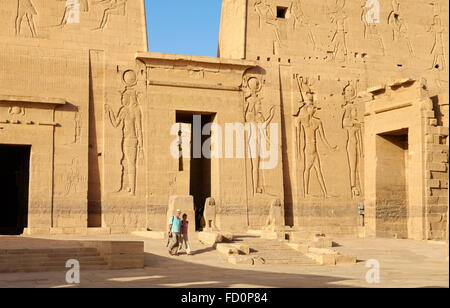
(199, 167)
(14, 178)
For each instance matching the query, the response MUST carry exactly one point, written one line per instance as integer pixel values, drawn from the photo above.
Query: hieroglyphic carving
(308, 128)
(15, 110)
(129, 120)
(353, 128)
(268, 17)
(438, 48)
(77, 126)
(112, 7)
(370, 19)
(26, 9)
(258, 124)
(338, 43)
(399, 28)
(302, 20)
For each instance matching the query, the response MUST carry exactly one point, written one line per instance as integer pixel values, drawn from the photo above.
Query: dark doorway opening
(14, 179)
(200, 166)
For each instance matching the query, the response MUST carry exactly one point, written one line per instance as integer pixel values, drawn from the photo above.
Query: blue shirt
(176, 224)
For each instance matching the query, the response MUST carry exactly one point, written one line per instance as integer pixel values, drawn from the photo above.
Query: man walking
(175, 233)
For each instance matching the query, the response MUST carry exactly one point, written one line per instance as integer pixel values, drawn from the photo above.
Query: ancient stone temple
(327, 115)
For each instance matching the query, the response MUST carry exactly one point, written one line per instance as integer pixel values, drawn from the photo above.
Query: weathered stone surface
(303, 248)
(119, 255)
(354, 111)
(340, 259)
(227, 249)
(242, 248)
(155, 235)
(241, 260)
(210, 238)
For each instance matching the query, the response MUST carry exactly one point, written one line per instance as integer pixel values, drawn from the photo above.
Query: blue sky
(189, 27)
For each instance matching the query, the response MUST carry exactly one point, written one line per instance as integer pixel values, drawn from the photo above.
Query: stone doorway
(199, 166)
(14, 182)
(392, 184)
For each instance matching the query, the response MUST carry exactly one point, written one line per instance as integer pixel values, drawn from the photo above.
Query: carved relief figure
(339, 37)
(73, 178)
(438, 48)
(113, 7)
(129, 120)
(353, 129)
(399, 28)
(309, 129)
(267, 16)
(72, 11)
(370, 19)
(257, 129)
(302, 20)
(395, 10)
(25, 10)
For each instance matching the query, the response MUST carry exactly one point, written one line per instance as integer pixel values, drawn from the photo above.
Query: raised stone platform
(21, 254)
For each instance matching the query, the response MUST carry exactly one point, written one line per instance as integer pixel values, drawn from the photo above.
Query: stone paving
(404, 263)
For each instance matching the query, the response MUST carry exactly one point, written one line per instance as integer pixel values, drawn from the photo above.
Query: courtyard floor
(403, 264)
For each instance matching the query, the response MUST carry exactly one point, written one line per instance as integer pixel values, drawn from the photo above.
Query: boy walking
(184, 234)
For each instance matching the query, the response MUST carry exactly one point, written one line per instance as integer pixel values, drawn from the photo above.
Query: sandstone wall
(331, 44)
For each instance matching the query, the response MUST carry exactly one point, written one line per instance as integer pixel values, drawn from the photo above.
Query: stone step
(47, 251)
(54, 259)
(38, 258)
(31, 269)
(267, 251)
(51, 260)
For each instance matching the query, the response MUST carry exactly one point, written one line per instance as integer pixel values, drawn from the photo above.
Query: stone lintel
(31, 100)
(196, 61)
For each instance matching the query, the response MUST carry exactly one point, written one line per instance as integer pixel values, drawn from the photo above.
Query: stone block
(304, 236)
(154, 235)
(246, 260)
(119, 254)
(341, 259)
(269, 235)
(98, 231)
(255, 232)
(227, 236)
(433, 183)
(322, 251)
(36, 231)
(227, 249)
(443, 131)
(209, 238)
(322, 242)
(437, 167)
(328, 259)
(440, 157)
(303, 248)
(242, 248)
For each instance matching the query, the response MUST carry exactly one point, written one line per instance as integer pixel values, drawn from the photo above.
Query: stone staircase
(270, 252)
(49, 259)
